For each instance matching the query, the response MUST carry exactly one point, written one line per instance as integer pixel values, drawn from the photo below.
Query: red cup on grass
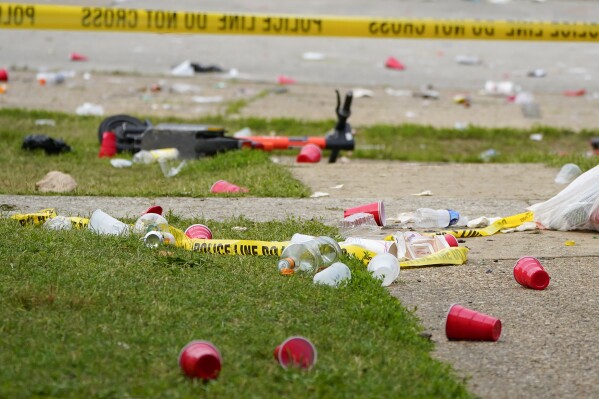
(529, 272)
(200, 359)
(376, 209)
(223, 186)
(451, 240)
(108, 146)
(310, 153)
(296, 352)
(154, 209)
(198, 231)
(469, 325)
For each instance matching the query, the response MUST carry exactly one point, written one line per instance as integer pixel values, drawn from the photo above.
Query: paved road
(347, 61)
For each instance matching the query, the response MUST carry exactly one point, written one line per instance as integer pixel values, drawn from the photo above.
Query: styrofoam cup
(384, 267)
(102, 223)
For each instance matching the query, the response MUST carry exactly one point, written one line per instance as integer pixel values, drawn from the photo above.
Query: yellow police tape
(39, 218)
(501, 224)
(21, 16)
(448, 256)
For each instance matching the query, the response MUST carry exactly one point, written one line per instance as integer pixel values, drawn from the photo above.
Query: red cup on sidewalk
(376, 209)
(108, 146)
(3, 75)
(310, 153)
(296, 352)
(200, 359)
(469, 325)
(223, 186)
(451, 240)
(198, 231)
(529, 272)
(77, 57)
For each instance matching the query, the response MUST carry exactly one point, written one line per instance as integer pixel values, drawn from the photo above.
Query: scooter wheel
(112, 122)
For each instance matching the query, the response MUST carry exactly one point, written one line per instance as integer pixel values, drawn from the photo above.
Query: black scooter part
(111, 123)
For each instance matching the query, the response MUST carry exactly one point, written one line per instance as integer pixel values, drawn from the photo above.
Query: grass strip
(99, 316)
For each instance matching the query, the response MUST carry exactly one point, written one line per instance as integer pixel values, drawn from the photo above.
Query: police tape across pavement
(84, 18)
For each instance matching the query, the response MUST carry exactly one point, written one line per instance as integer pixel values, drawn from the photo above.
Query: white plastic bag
(574, 208)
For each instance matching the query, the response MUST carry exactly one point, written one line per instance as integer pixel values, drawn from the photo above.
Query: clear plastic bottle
(163, 154)
(438, 218)
(50, 78)
(310, 255)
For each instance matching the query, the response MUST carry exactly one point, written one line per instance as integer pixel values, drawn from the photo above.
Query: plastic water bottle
(309, 256)
(438, 218)
(163, 154)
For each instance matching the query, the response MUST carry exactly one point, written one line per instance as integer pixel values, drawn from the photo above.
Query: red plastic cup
(223, 186)
(200, 359)
(451, 240)
(285, 80)
(77, 57)
(376, 209)
(469, 325)
(108, 146)
(529, 272)
(393, 63)
(198, 231)
(296, 352)
(3, 75)
(310, 153)
(154, 209)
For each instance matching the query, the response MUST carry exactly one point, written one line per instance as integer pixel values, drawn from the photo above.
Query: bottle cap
(286, 263)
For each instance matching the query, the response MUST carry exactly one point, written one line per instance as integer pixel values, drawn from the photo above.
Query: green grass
(252, 168)
(96, 316)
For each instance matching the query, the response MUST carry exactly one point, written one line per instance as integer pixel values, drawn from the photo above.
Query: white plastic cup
(568, 173)
(384, 267)
(333, 275)
(376, 246)
(102, 223)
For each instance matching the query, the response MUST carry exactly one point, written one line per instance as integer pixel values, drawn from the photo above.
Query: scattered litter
(426, 193)
(536, 137)
(188, 68)
(462, 99)
(89, 109)
(523, 227)
(575, 93)
(481, 222)
(3, 75)
(568, 173)
(58, 223)
(427, 92)
(461, 125)
(49, 145)
(576, 207)
(313, 56)
(56, 182)
(411, 114)
(245, 132)
(183, 88)
(3, 88)
(169, 170)
(501, 88)
(488, 155)
(360, 93)
(87, 76)
(207, 100)
(50, 78)
(310, 153)
(569, 243)
(537, 73)
(223, 186)
(151, 156)
(338, 186)
(319, 194)
(77, 57)
(398, 93)
(239, 228)
(393, 63)
(285, 80)
(45, 122)
(121, 163)
(468, 59)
